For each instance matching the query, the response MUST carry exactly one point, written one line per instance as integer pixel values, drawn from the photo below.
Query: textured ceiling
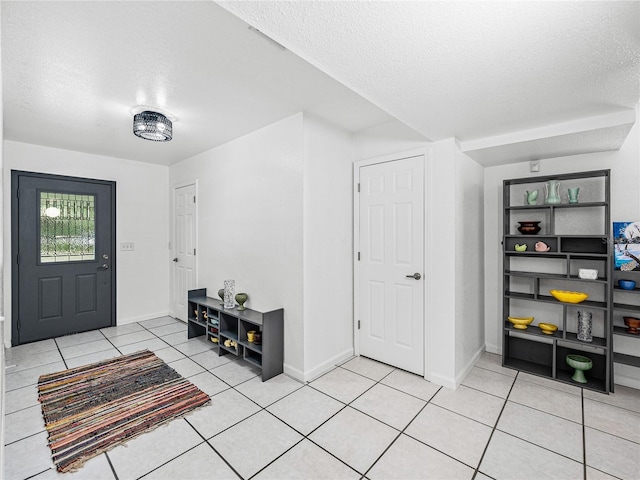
(468, 69)
(72, 71)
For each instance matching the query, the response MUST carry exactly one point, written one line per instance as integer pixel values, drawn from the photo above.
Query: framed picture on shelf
(626, 251)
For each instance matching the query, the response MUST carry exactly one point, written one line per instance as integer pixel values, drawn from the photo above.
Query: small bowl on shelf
(569, 297)
(520, 322)
(520, 248)
(548, 328)
(580, 364)
(529, 227)
(627, 284)
(633, 325)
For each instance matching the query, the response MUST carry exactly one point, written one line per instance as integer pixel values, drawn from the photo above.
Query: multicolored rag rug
(91, 409)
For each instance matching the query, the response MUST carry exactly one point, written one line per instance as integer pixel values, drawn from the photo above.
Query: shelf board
(543, 206)
(626, 359)
(230, 335)
(626, 306)
(197, 322)
(550, 299)
(533, 330)
(252, 346)
(228, 349)
(597, 341)
(526, 366)
(624, 332)
(253, 361)
(596, 384)
(555, 276)
(624, 290)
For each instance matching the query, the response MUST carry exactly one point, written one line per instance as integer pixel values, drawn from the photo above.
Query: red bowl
(633, 325)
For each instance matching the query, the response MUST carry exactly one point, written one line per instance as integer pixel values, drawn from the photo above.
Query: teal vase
(552, 190)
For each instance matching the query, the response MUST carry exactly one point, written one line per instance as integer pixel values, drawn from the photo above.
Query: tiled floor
(363, 419)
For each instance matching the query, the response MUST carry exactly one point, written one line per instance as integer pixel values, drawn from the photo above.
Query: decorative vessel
(241, 298)
(580, 364)
(520, 322)
(542, 247)
(257, 338)
(633, 325)
(532, 197)
(585, 325)
(251, 336)
(520, 248)
(552, 192)
(627, 284)
(529, 227)
(229, 293)
(569, 297)
(221, 295)
(573, 194)
(548, 328)
(588, 273)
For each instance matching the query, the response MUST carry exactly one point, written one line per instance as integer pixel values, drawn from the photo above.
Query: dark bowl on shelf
(529, 228)
(633, 325)
(627, 284)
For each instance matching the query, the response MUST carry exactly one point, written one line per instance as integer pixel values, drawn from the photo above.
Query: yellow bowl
(520, 322)
(548, 328)
(569, 297)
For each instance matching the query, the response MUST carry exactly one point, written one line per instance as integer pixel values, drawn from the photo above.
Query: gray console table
(207, 316)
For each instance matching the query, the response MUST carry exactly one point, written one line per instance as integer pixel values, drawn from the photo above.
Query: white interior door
(184, 248)
(391, 265)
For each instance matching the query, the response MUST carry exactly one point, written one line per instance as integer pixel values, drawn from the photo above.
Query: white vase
(229, 293)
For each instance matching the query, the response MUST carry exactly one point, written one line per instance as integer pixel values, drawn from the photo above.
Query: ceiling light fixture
(152, 126)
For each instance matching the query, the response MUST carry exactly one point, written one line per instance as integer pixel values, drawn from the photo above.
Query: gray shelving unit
(579, 235)
(207, 316)
(626, 303)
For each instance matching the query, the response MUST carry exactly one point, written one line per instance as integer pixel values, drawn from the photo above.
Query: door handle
(415, 276)
(175, 259)
(104, 266)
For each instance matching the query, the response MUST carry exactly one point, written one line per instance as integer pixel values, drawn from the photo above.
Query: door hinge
(358, 256)
(358, 188)
(194, 251)
(18, 193)
(358, 324)
(194, 199)
(18, 259)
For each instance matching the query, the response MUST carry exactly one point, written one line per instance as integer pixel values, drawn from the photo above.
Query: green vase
(241, 298)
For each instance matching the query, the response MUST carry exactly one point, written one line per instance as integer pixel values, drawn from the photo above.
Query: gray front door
(63, 234)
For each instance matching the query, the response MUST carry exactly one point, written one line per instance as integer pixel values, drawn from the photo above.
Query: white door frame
(172, 249)
(428, 242)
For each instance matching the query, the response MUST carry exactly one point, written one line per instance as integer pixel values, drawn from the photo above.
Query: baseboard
(493, 349)
(454, 383)
(315, 372)
(293, 372)
(141, 318)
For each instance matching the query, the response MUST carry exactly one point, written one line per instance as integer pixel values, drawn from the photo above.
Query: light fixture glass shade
(152, 126)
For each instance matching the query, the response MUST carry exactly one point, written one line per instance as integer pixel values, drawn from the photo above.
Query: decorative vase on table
(241, 298)
(532, 197)
(229, 293)
(552, 192)
(221, 295)
(585, 324)
(573, 194)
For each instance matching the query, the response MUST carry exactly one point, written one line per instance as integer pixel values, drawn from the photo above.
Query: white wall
(385, 139)
(250, 223)
(328, 247)
(469, 258)
(625, 206)
(141, 217)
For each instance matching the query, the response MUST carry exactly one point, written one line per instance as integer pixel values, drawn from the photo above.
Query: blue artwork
(626, 239)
